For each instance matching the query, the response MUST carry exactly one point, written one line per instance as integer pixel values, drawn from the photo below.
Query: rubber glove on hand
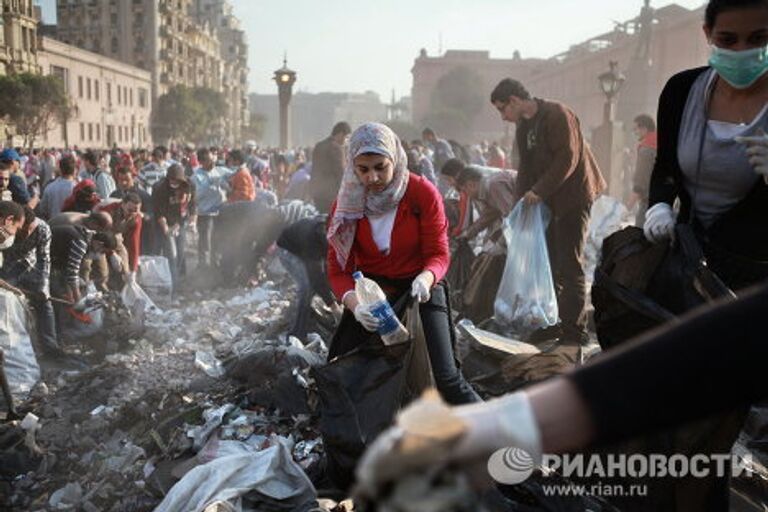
(429, 433)
(757, 149)
(660, 223)
(421, 286)
(365, 317)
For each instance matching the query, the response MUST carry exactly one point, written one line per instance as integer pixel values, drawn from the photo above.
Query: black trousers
(204, 239)
(440, 336)
(566, 236)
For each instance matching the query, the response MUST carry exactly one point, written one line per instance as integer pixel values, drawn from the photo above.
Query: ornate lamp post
(285, 78)
(608, 138)
(611, 83)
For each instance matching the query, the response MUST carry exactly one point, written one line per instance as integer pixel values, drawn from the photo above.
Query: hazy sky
(359, 45)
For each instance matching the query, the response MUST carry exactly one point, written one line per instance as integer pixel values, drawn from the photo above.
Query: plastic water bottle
(369, 293)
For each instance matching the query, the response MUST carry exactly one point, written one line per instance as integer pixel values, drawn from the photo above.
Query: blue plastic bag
(526, 300)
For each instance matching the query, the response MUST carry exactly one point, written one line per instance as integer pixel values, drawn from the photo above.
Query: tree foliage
(32, 104)
(187, 114)
(456, 102)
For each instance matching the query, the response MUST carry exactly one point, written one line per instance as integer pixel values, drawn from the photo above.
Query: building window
(80, 87)
(96, 89)
(63, 75)
(120, 134)
(82, 132)
(130, 95)
(90, 131)
(98, 132)
(115, 45)
(109, 94)
(88, 88)
(119, 95)
(143, 94)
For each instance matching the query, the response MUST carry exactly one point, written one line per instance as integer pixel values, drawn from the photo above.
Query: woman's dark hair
(716, 7)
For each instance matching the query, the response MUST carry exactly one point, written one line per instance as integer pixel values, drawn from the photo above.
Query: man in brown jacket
(328, 162)
(557, 167)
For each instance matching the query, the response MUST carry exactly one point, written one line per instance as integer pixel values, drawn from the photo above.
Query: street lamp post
(611, 83)
(608, 138)
(285, 79)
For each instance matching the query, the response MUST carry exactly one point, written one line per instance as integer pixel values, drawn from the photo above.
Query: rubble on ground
(212, 379)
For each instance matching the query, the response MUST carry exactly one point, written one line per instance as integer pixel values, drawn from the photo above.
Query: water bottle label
(388, 321)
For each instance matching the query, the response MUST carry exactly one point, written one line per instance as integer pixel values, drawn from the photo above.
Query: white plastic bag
(526, 299)
(75, 329)
(21, 366)
(269, 477)
(155, 277)
(133, 293)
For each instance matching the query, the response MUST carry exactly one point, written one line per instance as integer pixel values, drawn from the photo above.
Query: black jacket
(305, 238)
(742, 230)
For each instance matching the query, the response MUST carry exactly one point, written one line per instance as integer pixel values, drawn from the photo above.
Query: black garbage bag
(362, 388)
(639, 285)
(460, 270)
(623, 309)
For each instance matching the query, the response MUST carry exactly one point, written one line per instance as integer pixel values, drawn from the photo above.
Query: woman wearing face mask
(712, 147)
(390, 225)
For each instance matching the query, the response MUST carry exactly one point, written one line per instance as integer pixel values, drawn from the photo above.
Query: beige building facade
(196, 43)
(112, 100)
(676, 43)
(18, 37)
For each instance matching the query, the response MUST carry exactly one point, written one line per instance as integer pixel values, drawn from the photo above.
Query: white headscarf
(353, 200)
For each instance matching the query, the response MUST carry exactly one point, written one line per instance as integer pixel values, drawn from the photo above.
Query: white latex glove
(421, 286)
(660, 223)
(429, 433)
(366, 318)
(503, 422)
(757, 149)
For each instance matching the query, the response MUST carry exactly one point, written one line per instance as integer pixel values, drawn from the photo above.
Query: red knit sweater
(419, 241)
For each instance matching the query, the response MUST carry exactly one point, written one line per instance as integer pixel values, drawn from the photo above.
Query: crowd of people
(78, 218)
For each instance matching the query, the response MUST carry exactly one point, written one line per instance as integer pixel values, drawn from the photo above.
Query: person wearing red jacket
(241, 182)
(390, 225)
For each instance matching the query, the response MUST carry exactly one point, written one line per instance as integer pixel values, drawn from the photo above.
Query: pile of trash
(211, 409)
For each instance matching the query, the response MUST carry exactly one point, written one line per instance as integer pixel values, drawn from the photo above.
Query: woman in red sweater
(390, 225)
